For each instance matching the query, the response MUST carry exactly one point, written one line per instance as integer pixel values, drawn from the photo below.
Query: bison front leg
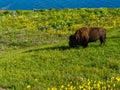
(85, 44)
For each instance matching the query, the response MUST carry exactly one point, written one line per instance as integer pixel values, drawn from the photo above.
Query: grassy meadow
(34, 51)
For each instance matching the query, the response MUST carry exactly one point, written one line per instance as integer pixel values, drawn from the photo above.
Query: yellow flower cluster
(111, 84)
(52, 88)
(59, 32)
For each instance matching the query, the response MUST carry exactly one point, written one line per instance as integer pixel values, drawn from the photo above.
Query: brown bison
(87, 34)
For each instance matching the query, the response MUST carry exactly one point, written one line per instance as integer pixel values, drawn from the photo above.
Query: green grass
(53, 64)
(36, 57)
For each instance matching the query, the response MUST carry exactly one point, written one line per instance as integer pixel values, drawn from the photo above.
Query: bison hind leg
(102, 41)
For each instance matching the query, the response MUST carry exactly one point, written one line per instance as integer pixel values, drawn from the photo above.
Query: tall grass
(65, 19)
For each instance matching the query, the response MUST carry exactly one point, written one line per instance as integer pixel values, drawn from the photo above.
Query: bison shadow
(60, 48)
(113, 37)
(49, 48)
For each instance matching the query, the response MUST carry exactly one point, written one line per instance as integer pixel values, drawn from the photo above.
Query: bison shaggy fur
(85, 35)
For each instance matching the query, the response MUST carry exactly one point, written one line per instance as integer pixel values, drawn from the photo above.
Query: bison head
(73, 42)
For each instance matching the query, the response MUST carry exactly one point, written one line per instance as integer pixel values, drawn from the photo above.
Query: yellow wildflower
(98, 85)
(88, 87)
(28, 86)
(104, 88)
(81, 87)
(68, 85)
(112, 78)
(62, 86)
(36, 79)
(52, 88)
(71, 88)
(108, 86)
(118, 79)
(113, 85)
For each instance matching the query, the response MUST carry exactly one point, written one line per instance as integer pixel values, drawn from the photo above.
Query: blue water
(59, 4)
